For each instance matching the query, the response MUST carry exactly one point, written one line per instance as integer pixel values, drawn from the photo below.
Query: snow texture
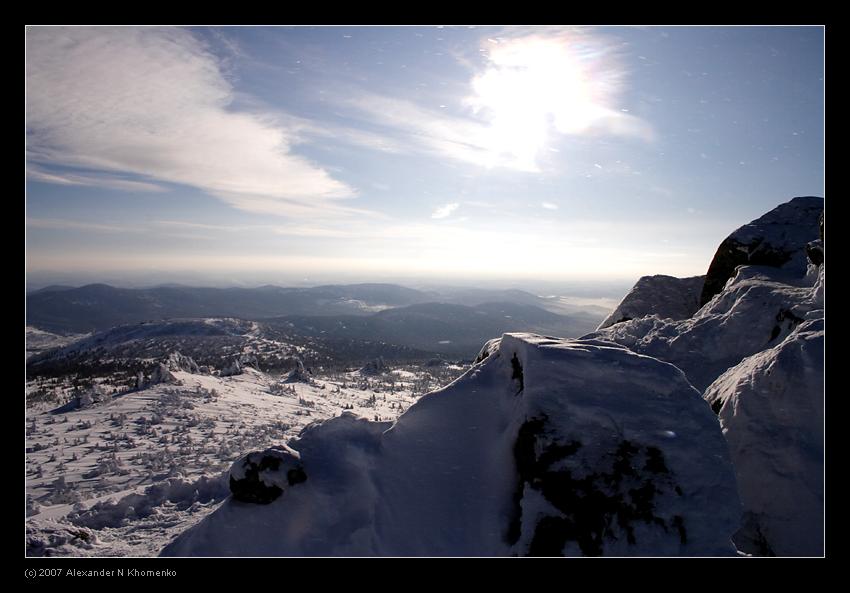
(545, 447)
(123, 475)
(665, 296)
(771, 408)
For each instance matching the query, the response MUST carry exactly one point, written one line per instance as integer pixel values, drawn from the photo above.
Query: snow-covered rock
(665, 296)
(238, 365)
(161, 374)
(179, 362)
(757, 309)
(757, 349)
(92, 397)
(545, 447)
(777, 239)
(771, 408)
(261, 477)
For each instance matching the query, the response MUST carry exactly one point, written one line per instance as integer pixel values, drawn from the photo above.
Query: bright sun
(533, 85)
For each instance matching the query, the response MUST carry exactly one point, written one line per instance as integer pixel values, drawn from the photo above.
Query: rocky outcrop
(299, 374)
(178, 362)
(757, 309)
(374, 367)
(814, 251)
(234, 368)
(92, 397)
(777, 239)
(261, 477)
(546, 447)
(665, 296)
(771, 409)
(757, 349)
(161, 374)
(238, 365)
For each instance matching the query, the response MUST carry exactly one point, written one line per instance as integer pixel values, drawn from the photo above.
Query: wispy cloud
(109, 181)
(549, 205)
(62, 224)
(445, 211)
(154, 102)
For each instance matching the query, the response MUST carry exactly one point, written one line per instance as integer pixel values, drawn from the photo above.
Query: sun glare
(534, 85)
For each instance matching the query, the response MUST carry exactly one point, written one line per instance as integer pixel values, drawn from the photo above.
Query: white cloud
(444, 211)
(549, 205)
(153, 102)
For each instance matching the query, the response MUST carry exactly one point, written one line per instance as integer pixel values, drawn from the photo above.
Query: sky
(460, 154)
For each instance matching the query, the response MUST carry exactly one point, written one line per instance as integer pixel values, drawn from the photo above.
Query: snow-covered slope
(771, 408)
(665, 296)
(38, 341)
(545, 447)
(778, 239)
(122, 473)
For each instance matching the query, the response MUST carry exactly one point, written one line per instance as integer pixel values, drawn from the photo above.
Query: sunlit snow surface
(142, 466)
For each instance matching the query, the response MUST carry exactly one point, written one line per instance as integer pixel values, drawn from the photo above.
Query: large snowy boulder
(771, 409)
(262, 476)
(777, 239)
(545, 447)
(756, 310)
(665, 296)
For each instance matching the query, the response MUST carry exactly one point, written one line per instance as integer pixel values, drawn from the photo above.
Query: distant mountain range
(97, 307)
(441, 327)
(451, 320)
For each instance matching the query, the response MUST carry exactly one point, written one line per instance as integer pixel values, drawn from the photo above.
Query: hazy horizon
(593, 289)
(495, 156)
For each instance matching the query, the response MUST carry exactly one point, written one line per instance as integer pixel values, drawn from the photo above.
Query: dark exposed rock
(299, 374)
(777, 239)
(234, 368)
(516, 373)
(261, 477)
(814, 251)
(374, 367)
(621, 490)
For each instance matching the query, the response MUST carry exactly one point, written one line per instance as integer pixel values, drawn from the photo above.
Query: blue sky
(465, 154)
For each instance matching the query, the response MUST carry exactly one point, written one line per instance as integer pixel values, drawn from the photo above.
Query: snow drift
(545, 446)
